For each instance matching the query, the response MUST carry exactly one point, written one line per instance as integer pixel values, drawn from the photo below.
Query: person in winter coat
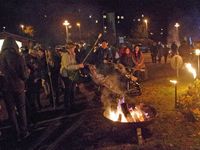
(154, 52)
(126, 59)
(160, 48)
(68, 71)
(138, 59)
(15, 73)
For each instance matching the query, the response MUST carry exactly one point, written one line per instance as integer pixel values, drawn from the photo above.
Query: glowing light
(173, 81)
(137, 115)
(96, 21)
(104, 16)
(22, 26)
(191, 69)
(122, 17)
(78, 24)
(177, 25)
(66, 23)
(139, 20)
(145, 21)
(197, 52)
(90, 16)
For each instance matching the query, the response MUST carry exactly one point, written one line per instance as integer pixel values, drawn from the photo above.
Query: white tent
(18, 43)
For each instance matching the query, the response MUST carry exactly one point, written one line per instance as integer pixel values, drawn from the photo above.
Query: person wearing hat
(68, 71)
(15, 73)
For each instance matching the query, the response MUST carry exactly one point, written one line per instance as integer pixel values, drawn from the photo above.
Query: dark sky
(47, 15)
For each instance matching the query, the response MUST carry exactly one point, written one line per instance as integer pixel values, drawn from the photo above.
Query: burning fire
(191, 69)
(129, 115)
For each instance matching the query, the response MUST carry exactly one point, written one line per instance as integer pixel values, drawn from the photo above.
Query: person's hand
(81, 65)
(43, 82)
(29, 71)
(105, 61)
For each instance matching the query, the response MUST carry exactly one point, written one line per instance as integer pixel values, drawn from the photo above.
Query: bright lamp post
(177, 25)
(79, 27)
(175, 91)
(146, 25)
(22, 27)
(66, 24)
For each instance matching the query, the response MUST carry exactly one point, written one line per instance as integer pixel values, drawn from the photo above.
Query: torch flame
(191, 69)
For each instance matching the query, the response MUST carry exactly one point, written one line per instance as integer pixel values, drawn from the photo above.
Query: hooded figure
(13, 66)
(15, 73)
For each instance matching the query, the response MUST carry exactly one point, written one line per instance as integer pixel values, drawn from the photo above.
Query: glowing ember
(134, 114)
(191, 69)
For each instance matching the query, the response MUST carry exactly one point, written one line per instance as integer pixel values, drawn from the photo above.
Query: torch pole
(99, 36)
(198, 67)
(177, 69)
(176, 97)
(50, 80)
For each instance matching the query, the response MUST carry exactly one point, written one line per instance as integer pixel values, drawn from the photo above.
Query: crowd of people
(24, 73)
(160, 50)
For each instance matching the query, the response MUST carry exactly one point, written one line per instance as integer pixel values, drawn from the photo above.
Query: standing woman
(68, 70)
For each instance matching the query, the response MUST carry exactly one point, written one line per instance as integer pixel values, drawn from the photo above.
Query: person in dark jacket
(15, 73)
(154, 52)
(103, 55)
(126, 59)
(54, 60)
(33, 83)
(174, 49)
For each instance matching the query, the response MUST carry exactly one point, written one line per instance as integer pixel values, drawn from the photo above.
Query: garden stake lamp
(175, 92)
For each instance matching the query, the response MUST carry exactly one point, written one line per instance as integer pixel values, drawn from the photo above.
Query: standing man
(68, 70)
(103, 55)
(154, 52)
(15, 73)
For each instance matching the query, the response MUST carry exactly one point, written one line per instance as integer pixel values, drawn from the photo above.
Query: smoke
(113, 86)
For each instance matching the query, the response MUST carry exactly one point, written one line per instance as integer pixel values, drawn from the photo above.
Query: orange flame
(137, 115)
(191, 69)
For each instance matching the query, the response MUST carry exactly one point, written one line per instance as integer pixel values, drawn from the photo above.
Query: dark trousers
(18, 117)
(153, 57)
(69, 92)
(55, 78)
(33, 94)
(165, 58)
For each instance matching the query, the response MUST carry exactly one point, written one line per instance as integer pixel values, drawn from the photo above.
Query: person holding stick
(68, 71)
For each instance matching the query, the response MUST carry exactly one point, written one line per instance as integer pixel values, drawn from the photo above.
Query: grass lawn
(171, 130)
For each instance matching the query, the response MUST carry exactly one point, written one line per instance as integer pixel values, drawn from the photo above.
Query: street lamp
(197, 53)
(175, 92)
(22, 27)
(66, 24)
(177, 25)
(79, 27)
(146, 23)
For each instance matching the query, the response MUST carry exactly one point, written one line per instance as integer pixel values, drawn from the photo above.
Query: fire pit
(136, 117)
(140, 116)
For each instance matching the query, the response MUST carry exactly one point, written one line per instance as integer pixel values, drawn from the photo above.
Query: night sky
(47, 16)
